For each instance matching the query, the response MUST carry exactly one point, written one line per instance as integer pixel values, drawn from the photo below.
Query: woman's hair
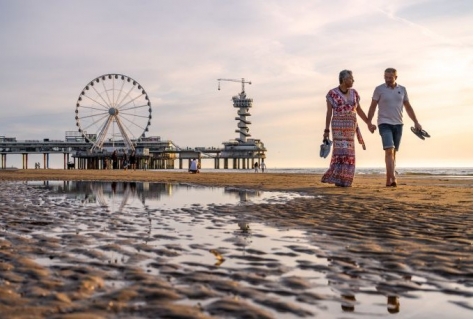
(343, 74)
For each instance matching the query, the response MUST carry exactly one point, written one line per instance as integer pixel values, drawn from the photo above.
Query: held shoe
(420, 133)
(325, 148)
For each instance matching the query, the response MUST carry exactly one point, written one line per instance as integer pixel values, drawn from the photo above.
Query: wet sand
(428, 190)
(422, 226)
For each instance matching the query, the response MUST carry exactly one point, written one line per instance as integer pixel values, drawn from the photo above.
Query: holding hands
(372, 127)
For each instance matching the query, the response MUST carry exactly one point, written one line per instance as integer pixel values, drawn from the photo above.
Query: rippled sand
(372, 236)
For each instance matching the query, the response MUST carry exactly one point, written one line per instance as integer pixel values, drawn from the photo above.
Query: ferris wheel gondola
(113, 105)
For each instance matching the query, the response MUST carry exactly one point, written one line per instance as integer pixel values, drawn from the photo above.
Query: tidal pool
(218, 255)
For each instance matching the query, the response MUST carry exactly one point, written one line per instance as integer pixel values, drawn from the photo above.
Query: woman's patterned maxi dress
(344, 126)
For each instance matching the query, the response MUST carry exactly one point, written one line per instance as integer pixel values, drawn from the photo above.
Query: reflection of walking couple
(346, 283)
(392, 290)
(349, 301)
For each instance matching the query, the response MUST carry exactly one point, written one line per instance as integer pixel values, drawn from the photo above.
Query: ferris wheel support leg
(100, 139)
(126, 139)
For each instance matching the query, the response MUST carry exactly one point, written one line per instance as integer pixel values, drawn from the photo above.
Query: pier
(151, 153)
(113, 115)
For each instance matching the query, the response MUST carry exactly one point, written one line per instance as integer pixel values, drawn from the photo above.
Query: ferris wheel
(113, 107)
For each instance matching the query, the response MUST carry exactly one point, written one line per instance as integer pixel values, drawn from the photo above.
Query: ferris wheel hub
(113, 111)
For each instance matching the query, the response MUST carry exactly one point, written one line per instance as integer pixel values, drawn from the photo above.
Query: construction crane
(233, 80)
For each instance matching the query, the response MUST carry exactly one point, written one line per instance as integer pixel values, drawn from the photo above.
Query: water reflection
(348, 303)
(393, 287)
(344, 281)
(393, 304)
(211, 237)
(244, 234)
(115, 195)
(244, 195)
(351, 281)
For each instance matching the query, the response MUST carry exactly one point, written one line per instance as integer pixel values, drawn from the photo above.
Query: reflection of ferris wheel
(113, 105)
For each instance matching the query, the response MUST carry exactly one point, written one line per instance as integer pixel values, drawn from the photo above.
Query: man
(391, 98)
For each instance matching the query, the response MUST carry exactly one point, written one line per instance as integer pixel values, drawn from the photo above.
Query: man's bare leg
(390, 166)
(395, 166)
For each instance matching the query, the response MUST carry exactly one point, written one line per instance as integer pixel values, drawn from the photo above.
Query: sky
(291, 51)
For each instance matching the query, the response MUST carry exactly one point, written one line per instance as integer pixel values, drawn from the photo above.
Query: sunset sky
(291, 51)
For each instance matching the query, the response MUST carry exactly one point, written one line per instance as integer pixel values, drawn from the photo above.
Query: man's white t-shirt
(390, 103)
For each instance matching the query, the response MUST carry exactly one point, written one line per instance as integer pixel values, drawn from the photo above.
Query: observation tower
(242, 149)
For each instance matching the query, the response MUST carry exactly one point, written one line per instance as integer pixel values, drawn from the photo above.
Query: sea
(465, 172)
(459, 172)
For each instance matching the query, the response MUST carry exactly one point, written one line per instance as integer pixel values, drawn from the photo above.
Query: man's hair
(391, 70)
(343, 74)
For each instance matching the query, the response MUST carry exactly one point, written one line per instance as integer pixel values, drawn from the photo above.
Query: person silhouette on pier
(125, 162)
(133, 160)
(114, 158)
(193, 168)
(263, 166)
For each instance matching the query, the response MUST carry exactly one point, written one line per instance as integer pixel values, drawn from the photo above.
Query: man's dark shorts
(391, 135)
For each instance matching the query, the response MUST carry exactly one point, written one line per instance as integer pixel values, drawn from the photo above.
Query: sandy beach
(423, 226)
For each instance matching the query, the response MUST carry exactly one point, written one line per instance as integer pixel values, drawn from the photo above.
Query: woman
(256, 168)
(342, 107)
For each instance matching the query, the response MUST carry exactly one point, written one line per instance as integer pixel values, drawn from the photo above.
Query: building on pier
(151, 153)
